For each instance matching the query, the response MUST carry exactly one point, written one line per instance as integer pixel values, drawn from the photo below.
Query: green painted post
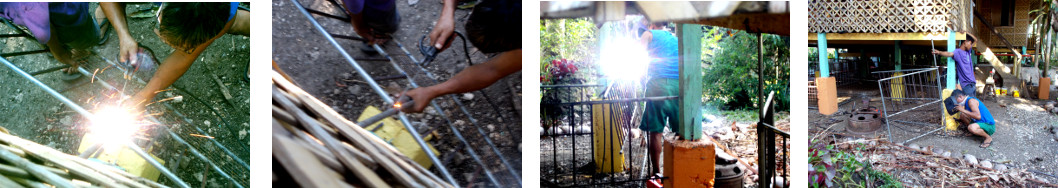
(690, 114)
(896, 55)
(951, 62)
(824, 67)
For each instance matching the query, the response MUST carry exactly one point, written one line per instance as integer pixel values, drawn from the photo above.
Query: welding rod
(385, 114)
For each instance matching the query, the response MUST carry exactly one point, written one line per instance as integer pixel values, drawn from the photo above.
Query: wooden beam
(690, 103)
(888, 36)
(778, 24)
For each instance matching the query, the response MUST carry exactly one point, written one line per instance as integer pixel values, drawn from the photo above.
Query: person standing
(964, 68)
(664, 72)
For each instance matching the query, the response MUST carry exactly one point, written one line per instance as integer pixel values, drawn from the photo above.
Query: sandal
(986, 144)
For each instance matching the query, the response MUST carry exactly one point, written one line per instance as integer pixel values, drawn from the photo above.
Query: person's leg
(965, 120)
(61, 53)
(976, 130)
(655, 148)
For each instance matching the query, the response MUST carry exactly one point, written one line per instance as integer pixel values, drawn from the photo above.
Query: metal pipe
(913, 108)
(5, 55)
(47, 89)
(165, 171)
(378, 90)
(91, 150)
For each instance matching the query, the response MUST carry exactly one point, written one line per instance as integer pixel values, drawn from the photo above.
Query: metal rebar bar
(321, 13)
(6, 55)
(53, 69)
(382, 93)
(165, 171)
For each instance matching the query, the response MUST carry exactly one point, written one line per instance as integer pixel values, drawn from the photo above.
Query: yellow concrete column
(1045, 88)
(828, 95)
(689, 163)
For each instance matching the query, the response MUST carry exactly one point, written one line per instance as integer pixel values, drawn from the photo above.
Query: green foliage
(572, 39)
(835, 168)
(730, 73)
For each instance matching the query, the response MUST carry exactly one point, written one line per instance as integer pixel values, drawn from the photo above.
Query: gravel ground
(1022, 138)
(316, 66)
(37, 116)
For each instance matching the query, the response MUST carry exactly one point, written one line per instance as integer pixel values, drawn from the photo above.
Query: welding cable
(425, 48)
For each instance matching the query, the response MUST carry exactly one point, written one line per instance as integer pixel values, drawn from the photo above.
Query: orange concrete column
(1045, 88)
(828, 95)
(689, 163)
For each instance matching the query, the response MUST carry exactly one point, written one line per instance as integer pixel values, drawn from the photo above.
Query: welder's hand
(935, 51)
(127, 51)
(960, 108)
(421, 96)
(137, 103)
(442, 33)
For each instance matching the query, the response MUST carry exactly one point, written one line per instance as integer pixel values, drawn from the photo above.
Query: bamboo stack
(314, 146)
(28, 164)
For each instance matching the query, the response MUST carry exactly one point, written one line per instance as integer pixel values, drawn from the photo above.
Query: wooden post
(690, 114)
(896, 55)
(826, 85)
(952, 82)
(824, 67)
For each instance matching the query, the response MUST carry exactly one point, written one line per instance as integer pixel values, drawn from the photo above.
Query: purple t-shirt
(357, 6)
(964, 68)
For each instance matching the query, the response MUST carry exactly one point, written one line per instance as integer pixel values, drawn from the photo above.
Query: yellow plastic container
(125, 158)
(393, 131)
(949, 120)
(607, 134)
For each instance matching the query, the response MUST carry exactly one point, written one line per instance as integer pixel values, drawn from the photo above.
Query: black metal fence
(587, 138)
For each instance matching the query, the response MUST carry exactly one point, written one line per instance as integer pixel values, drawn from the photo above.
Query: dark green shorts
(989, 128)
(658, 113)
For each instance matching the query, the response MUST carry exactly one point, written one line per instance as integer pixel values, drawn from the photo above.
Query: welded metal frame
(80, 110)
(918, 79)
(572, 101)
(165, 171)
(515, 176)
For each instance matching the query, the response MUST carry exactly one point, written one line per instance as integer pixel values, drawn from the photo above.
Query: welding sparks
(114, 126)
(203, 136)
(621, 55)
(396, 105)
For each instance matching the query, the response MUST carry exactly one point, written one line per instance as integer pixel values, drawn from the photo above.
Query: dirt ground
(1022, 139)
(40, 117)
(315, 65)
